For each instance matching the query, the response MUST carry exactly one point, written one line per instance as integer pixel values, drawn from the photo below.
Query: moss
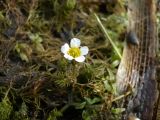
(5, 109)
(42, 83)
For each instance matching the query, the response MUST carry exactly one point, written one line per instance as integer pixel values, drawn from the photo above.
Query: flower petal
(65, 48)
(84, 50)
(80, 59)
(137, 119)
(68, 57)
(75, 42)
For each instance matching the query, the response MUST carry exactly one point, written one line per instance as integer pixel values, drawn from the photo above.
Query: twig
(121, 96)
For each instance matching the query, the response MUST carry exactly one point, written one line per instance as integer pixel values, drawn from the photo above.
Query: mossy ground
(36, 81)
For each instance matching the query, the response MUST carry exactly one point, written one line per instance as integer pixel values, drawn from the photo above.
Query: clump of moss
(44, 85)
(5, 109)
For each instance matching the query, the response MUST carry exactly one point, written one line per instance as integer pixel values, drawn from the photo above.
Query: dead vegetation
(36, 82)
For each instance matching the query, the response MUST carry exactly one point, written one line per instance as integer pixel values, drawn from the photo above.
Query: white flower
(137, 119)
(75, 51)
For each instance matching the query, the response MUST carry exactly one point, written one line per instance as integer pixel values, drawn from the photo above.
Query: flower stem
(107, 36)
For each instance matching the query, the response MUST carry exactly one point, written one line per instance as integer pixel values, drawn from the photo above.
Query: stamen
(74, 52)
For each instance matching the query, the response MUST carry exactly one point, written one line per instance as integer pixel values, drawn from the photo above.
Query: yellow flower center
(74, 52)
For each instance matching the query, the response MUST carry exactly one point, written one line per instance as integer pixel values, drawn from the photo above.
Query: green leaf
(115, 63)
(1, 16)
(39, 47)
(24, 57)
(117, 110)
(80, 105)
(54, 114)
(85, 115)
(92, 101)
(111, 75)
(17, 48)
(107, 86)
(114, 89)
(35, 38)
(71, 4)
